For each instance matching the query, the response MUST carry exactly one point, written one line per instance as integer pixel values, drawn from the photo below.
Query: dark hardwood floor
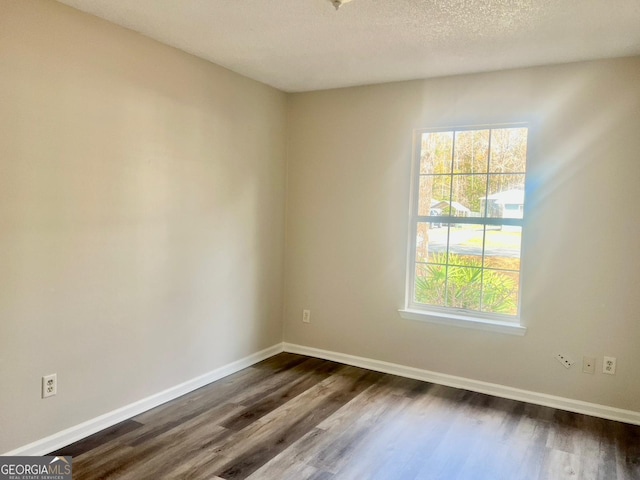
(295, 417)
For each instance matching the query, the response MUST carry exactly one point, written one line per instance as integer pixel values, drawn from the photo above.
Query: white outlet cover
(609, 365)
(49, 385)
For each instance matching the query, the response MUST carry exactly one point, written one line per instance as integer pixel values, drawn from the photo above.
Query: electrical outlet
(306, 316)
(588, 364)
(609, 365)
(49, 385)
(564, 360)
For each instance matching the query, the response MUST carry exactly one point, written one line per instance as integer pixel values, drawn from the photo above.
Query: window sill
(454, 320)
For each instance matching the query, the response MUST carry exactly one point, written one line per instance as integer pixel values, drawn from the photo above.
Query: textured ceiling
(300, 45)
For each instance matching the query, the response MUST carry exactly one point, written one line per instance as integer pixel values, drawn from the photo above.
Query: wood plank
(627, 445)
(322, 401)
(281, 362)
(93, 441)
(213, 394)
(265, 404)
(286, 469)
(156, 454)
(262, 440)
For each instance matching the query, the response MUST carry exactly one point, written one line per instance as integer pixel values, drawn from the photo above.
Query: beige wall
(141, 217)
(347, 211)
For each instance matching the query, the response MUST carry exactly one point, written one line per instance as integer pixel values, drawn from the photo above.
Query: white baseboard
(78, 432)
(577, 406)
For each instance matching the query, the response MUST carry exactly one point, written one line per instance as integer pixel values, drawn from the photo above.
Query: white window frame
(501, 323)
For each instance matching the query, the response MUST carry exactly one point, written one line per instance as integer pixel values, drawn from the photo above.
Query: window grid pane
(471, 151)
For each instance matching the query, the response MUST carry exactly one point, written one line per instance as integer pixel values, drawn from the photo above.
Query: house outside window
(467, 217)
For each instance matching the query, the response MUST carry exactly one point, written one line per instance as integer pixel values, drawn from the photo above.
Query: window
(466, 222)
